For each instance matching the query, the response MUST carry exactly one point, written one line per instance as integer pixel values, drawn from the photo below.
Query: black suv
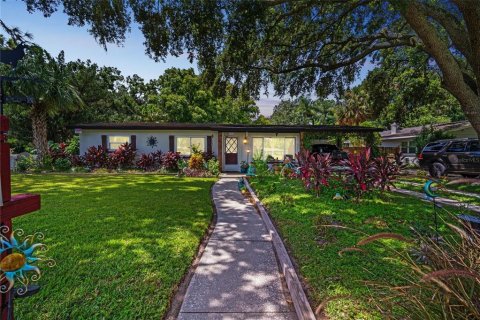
(460, 156)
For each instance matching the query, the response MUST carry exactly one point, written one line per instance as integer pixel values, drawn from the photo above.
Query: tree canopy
(304, 111)
(67, 93)
(299, 46)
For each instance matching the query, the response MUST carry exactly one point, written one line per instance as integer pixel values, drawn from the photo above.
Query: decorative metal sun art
(20, 264)
(152, 141)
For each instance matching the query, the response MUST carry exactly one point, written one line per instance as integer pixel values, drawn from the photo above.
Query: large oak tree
(299, 46)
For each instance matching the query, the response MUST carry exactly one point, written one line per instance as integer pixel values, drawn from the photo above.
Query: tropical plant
(146, 162)
(305, 170)
(157, 157)
(384, 172)
(124, 156)
(196, 161)
(321, 168)
(170, 160)
(359, 168)
(46, 79)
(96, 157)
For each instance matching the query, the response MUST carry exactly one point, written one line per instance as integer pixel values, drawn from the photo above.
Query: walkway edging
(299, 298)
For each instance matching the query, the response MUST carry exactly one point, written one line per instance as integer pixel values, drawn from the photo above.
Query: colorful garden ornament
(19, 261)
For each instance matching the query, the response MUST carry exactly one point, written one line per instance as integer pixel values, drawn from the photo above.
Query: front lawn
(121, 242)
(301, 218)
(467, 187)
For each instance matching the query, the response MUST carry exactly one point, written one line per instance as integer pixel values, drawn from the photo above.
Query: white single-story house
(230, 143)
(404, 138)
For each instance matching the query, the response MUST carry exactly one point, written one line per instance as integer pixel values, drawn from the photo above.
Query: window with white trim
(409, 147)
(116, 141)
(277, 147)
(185, 144)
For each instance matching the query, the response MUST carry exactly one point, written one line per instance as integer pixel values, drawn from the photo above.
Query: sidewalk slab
(237, 316)
(238, 275)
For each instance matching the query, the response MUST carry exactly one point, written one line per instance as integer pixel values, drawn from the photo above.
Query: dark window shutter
(171, 143)
(104, 142)
(133, 141)
(209, 144)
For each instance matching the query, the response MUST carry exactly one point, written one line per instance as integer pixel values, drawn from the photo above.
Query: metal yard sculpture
(15, 259)
(430, 188)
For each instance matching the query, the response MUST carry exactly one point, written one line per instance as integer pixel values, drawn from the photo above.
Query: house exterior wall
(243, 155)
(90, 138)
(93, 137)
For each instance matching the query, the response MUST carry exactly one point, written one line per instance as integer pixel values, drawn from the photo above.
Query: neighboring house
(404, 138)
(231, 144)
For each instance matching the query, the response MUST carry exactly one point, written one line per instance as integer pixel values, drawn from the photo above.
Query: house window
(409, 147)
(275, 147)
(116, 141)
(185, 144)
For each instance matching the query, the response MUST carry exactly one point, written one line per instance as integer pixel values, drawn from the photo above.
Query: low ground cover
(121, 242)
(302, 218)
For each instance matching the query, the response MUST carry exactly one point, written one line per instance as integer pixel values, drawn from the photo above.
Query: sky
(54, 34)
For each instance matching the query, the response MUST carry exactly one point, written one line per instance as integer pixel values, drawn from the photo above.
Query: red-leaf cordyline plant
(96, 157)
(443, 284)
(359, 168)
(384, 172)
(146, 162)
(124, 156)
(321, 167)
(305, 171)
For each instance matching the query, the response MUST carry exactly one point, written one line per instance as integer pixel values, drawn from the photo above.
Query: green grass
(461, 187)
(121, 242)
(301, 217)
(442, 193)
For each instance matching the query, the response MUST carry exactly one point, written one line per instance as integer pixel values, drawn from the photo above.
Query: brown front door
(231, 150)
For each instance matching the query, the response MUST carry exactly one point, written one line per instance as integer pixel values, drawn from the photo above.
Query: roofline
(223, 127)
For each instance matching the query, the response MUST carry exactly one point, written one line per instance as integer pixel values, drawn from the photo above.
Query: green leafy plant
(25, 163)
(73, 146)
(62, 164)
(213, 166)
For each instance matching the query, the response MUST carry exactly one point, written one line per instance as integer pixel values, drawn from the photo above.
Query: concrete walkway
(238, 275)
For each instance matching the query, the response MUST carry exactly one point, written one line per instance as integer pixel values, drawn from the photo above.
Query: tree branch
(333, 66)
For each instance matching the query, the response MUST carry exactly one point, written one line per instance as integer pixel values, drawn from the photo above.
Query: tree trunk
(452, 74)
(39, 130)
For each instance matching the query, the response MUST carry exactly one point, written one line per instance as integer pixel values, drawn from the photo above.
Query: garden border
(176, 300)
(299, 298)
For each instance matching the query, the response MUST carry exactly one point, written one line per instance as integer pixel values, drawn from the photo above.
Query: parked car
(461, 156)
(332, 149)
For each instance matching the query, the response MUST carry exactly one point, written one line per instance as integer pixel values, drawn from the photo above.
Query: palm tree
(46, 79)
(354, 110)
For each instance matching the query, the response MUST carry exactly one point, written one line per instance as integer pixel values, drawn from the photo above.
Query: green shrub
(25, 163)
(62, 164)
(73, 146)
(213, 167)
